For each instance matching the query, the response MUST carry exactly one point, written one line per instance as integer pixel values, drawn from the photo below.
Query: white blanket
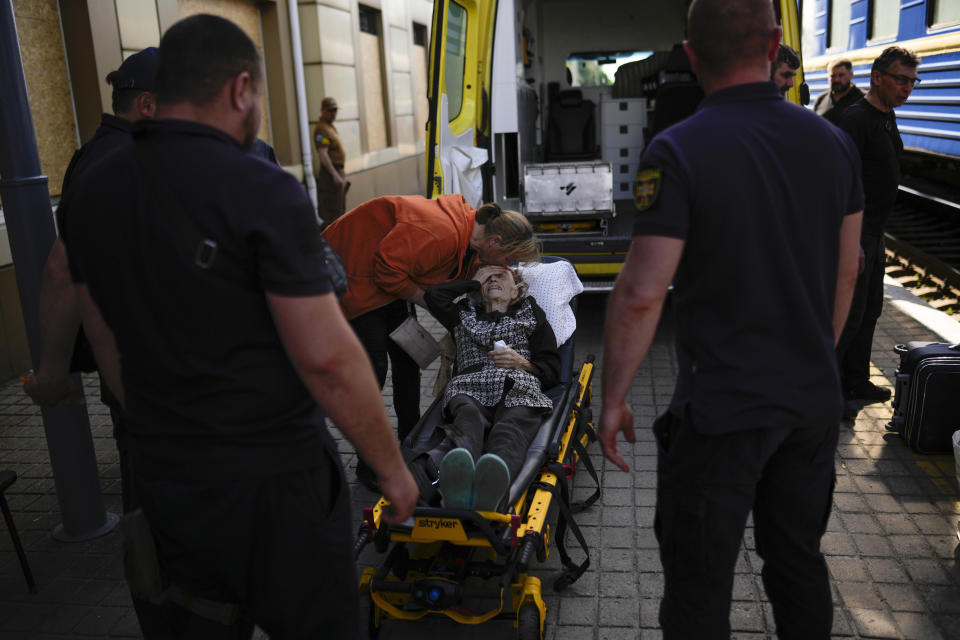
(553, 285)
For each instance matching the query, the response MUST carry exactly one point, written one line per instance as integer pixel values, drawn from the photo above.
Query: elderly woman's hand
(484, 272)
(507, 358)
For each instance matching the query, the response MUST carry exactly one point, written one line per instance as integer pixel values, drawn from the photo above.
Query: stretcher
(474, 566)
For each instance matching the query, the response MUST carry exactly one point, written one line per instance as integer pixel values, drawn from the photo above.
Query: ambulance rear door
(459, 95)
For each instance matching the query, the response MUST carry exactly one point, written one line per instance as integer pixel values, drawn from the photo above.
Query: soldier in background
(331, 182)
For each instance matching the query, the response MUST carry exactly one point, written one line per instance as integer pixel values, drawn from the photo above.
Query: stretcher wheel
(528, 623)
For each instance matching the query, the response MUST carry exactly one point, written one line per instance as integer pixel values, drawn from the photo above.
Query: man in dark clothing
(872, 126)
(207, 298)
(64, 349)
(763, 269)
(843, 93)
(783, 71)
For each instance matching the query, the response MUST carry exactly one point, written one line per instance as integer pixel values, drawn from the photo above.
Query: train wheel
(528, 623)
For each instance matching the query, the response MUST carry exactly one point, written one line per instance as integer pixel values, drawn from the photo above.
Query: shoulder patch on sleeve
(647, 187)
(322, 139)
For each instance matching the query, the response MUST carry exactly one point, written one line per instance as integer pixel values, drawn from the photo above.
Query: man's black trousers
(374, 329)
(706, 487)
(856, 341)
(280, 547)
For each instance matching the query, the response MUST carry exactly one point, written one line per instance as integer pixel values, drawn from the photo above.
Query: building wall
(48, 85)
(69, 46)
(380, 83)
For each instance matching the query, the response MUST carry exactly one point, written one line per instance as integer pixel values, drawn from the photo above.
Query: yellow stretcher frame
(526, 591)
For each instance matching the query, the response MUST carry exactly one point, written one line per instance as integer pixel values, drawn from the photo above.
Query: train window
(808, 20)
(944, 12)
(599, 68)
(839, 24)
(456, 58)
(884, 19)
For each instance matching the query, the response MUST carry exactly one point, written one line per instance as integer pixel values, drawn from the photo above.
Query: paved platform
(891, 541)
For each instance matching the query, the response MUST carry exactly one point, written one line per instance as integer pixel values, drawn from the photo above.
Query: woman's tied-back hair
(519, 244)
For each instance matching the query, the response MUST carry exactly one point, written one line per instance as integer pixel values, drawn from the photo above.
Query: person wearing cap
(331, 183)
(393, 248)
(64, 349)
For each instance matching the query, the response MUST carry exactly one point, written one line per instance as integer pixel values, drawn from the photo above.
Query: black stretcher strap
(577, 507)
(572, 571)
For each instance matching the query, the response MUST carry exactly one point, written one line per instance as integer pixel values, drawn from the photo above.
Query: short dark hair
(786, 54)
(895, 54)
(723, 33)
(840, 62)
(124, 99)
(199, 55)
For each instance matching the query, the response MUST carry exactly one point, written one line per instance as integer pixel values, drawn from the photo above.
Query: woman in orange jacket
(393, 248)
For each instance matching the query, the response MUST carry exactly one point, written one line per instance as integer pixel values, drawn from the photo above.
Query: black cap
(136, 72)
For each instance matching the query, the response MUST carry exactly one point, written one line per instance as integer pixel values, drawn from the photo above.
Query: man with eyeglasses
(331, 181)
(842, 94)
(872, 126)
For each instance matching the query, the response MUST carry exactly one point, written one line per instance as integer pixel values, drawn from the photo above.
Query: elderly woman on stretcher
(494, 404)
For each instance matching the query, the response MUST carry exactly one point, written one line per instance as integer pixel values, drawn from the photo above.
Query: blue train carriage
(929, 122)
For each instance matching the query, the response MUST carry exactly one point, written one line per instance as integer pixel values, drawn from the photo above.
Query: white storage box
(568, 188)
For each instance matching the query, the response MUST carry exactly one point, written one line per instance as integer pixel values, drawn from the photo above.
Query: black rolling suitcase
(926, 405)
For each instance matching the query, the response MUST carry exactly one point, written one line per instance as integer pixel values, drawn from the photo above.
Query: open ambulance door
(461, 52)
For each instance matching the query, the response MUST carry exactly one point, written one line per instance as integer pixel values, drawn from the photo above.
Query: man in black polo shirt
(842, 94)
(763, 269)
(872, 126)
(206, 296)
(64, 349)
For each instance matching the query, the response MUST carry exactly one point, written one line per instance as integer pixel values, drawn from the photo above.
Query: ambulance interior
(587, 80)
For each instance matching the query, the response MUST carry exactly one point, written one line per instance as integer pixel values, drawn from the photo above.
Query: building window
(884, 19)
(944, 12)
(839, 36)
(373, 70)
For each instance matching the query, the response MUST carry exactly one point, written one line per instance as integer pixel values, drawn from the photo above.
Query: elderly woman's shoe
(490, 482)
(456, 479)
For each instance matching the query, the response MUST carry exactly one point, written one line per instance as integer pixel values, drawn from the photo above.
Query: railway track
(923, 248)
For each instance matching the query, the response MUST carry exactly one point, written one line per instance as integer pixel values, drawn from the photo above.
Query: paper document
(417, 342)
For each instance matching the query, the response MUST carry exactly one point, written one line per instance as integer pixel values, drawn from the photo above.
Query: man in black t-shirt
(207, 298)
(763, 269)
(842, 94)
(872, 126)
